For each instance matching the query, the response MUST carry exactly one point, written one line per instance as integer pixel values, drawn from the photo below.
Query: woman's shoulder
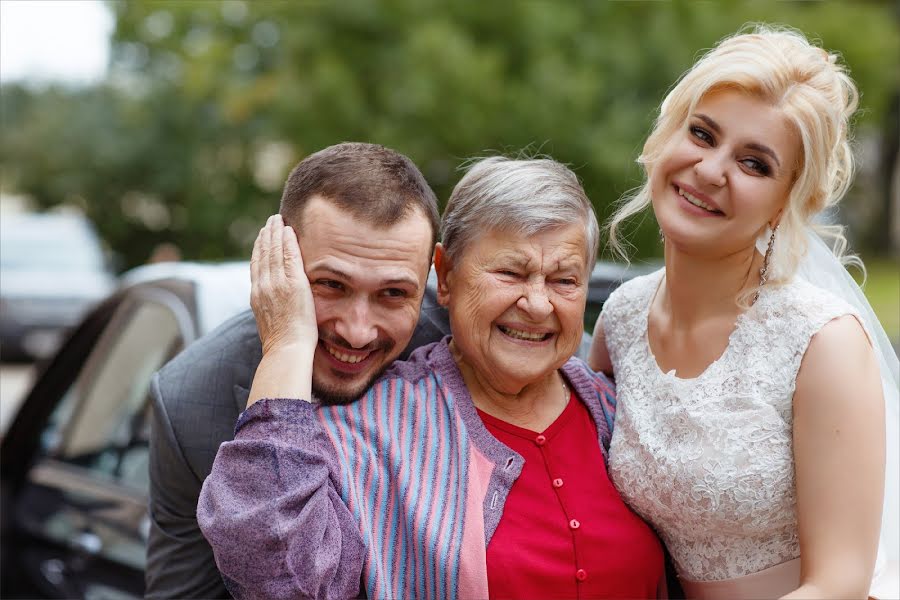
(423, 363)
(595, 390)
(579, 372)
(623, 310)
(785, 319)
(635, 289)
(802, 303)
(589, 385)
(405, 380)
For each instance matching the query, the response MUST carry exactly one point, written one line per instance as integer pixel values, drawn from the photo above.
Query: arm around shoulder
(839, 455)
(271, 511)
(598, 358)
(619, 322)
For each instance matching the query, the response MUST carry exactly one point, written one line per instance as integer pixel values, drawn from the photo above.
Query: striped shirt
(399, 492)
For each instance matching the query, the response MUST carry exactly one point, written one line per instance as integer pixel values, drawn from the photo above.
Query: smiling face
(726, 175)
(516, 303)
(367, 283)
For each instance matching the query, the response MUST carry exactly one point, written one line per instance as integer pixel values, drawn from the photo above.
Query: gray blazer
(197, 398)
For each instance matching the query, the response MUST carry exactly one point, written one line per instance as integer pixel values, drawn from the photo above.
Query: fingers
(293, 260)
(280, 296)
(275, 225)
(276, 261)
(265, 251)
(255, 258)
(260, 261)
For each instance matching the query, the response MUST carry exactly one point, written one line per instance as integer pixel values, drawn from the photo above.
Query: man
(367, 223)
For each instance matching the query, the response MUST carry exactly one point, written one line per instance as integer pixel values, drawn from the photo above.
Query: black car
(73, 465)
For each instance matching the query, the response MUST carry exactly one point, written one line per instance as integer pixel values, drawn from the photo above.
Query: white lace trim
(708, 461)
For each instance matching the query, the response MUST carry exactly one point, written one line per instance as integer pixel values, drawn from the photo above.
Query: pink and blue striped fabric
(406, 474)
(403, 453)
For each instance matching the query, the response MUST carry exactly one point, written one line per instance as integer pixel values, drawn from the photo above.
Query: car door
(79, 515)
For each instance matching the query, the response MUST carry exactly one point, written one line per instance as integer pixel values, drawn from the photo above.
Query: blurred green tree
(208, 105)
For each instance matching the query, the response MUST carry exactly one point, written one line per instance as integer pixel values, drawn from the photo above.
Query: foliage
(208, 105)
(882, 288)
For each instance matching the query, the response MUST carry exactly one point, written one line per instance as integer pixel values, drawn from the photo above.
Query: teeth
(523, 335)
(696, 201)
(347, 358)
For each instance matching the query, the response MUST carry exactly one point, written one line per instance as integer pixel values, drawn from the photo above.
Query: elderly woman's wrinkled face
(516, 303)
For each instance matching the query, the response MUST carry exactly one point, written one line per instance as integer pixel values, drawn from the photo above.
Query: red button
(574, 524)
(580, 574)
(557, 483)
(540, 440)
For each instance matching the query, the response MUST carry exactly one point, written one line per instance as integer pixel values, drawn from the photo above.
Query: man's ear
(442, 266)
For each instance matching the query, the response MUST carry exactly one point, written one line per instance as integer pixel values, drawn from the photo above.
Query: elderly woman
(477, 468)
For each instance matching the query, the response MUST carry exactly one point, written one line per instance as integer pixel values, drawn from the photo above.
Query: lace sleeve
(624, 314)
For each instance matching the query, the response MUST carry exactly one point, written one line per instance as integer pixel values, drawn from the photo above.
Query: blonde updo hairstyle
(780, 66)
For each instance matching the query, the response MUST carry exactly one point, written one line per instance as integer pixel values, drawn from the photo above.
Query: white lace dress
(708, 461)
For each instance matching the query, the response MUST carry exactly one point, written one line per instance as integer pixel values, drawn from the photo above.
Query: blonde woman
(750, 428)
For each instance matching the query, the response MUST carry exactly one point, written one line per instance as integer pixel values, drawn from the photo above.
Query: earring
(662, 236)
(767, 258)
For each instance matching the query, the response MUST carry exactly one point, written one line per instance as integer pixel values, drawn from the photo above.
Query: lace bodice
(708, 461)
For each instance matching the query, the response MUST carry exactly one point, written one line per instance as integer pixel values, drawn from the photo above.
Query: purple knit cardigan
(394, 496)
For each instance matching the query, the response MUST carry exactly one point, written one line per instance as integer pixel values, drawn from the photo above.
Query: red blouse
(565, 532)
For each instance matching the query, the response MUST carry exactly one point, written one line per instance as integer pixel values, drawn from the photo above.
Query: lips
(347, 360)
(695, 198)
(524, 334)
(346, 357)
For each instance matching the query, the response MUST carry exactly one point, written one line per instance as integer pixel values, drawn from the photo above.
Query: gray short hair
(523, 196)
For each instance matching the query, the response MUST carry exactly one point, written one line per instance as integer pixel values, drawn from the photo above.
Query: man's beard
(329, 394)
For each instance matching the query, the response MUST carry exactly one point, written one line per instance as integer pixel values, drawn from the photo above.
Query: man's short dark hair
(373, 183)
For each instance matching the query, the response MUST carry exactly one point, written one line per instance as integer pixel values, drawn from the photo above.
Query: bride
(754, 383)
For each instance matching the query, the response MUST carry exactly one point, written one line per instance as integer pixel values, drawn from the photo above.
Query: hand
(280, 294)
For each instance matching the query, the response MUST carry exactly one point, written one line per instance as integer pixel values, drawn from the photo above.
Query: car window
(102, 423)
(87, 492)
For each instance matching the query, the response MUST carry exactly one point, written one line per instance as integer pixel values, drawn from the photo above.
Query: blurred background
(139, 137)
(171, 126)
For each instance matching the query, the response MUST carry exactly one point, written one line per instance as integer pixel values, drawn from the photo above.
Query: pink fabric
(472, 573)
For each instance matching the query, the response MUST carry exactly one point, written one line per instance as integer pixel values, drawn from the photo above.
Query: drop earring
(767, 260)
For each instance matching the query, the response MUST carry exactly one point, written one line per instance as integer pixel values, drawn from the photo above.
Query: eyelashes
(757, 165)
(754, 164)
(702, 135)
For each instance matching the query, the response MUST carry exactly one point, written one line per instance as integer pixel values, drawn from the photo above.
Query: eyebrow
(386, 283)
(572, 263)
(712, 124)
(752, 145)
(514, 260)
(765, 150)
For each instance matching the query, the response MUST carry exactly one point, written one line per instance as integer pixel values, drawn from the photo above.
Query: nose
(357, 325)
(710, 168)
(535, 300)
